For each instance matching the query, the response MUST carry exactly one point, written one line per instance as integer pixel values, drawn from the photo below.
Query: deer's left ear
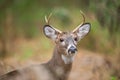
(82, 30)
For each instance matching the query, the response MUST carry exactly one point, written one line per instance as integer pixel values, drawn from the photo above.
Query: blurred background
(22, 21)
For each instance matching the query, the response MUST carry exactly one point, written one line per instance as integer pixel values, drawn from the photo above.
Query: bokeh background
(22, 21)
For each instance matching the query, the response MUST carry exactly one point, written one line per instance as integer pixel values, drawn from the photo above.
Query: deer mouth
(72, 51)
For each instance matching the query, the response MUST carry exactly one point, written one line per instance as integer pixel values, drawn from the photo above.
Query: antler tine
(82, 22)
(82, 16)
(47, 19)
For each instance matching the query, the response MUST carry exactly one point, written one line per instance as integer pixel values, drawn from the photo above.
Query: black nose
(72, 49)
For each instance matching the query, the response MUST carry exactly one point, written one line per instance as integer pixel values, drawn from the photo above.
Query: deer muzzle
(72, 50)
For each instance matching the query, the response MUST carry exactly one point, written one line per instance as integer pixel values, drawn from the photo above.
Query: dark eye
(61, 40)
(76, 39)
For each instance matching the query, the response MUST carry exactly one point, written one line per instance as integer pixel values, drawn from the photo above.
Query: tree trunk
(6, 40)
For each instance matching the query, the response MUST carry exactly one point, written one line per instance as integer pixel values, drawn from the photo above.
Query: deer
(60, 65)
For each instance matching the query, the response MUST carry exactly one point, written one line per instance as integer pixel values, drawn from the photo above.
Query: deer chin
(68, 58)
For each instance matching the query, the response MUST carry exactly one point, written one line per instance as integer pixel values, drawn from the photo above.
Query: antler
(47, 19)
(82, 22)
(82, 16)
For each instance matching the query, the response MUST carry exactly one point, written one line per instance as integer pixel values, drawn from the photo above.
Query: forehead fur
(65, 34)
(69, 33)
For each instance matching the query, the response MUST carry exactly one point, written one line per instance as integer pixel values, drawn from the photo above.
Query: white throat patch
(67, 59)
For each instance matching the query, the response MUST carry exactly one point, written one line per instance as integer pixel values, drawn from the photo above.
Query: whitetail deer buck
(59, 67)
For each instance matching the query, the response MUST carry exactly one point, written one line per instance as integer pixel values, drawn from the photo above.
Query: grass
(113, 78)
(28, 52)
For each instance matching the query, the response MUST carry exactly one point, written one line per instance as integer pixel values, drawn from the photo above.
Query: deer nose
(72, 49)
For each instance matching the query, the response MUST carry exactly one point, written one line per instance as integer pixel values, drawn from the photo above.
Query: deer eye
(61, 40)
(76, 39)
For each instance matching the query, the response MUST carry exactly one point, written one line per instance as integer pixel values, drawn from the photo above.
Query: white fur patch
(67, 59)
(63, 43)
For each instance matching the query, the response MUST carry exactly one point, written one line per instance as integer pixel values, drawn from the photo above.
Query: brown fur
(55, 69)
(59, 67)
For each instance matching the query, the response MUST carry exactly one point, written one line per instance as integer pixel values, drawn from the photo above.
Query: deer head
(66, 42)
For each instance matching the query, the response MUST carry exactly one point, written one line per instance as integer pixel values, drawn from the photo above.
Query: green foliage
(107, 13)
(63, 15)
(113, 78)
(26, 54)
(28, 20)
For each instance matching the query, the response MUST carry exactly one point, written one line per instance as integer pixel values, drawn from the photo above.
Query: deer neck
(57, 62)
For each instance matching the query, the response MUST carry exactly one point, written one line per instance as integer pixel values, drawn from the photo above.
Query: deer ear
(51, 32)
(82, 30)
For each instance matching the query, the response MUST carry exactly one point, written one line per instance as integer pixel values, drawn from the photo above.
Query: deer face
(66, 42)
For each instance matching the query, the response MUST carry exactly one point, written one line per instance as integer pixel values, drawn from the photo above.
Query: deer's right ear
(51, 32)
(82, 30)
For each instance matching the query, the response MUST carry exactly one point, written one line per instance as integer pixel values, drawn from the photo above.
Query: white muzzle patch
(67, 59)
